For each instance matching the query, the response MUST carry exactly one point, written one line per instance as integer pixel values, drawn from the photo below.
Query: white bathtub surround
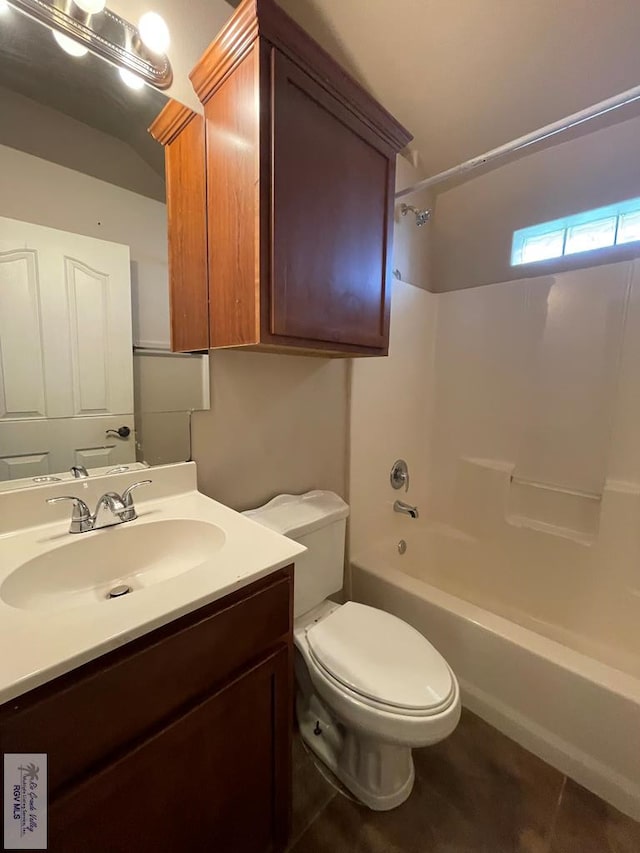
(540, 373)
(517, 407)
(576, 713)
(63, 621)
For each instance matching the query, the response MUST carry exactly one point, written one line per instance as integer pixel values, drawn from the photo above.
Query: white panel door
(22, 383)
(36, 448)
(84, 441)
(65, 343)
(25, 449)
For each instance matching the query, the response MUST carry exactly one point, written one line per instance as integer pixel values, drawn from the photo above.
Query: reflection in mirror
(86, 376)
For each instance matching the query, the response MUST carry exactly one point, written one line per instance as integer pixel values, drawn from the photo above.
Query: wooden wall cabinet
(300, 179)
(181, 131)
(180, 740)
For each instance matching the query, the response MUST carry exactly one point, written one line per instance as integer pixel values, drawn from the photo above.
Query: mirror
(86, 373)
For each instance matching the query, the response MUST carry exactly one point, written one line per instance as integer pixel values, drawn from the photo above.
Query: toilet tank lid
(295, 515)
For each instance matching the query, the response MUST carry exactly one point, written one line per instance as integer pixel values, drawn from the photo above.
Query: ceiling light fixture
(130, 79)
(69, 45)
(91, 7)
(154, 32)
(4, 7)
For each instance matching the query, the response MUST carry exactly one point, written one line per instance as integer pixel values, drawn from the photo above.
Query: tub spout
(406, 509)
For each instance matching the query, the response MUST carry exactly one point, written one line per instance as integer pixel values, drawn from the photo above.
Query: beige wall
(473, 223)
(411, 244)
(58, 138)
(278, 423)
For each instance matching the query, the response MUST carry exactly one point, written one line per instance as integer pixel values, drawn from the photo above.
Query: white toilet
(369, 686)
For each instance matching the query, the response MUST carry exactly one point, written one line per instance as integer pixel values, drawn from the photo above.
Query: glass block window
(602, 228)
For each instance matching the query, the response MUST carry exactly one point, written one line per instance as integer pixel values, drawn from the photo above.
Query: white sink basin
(89, 565)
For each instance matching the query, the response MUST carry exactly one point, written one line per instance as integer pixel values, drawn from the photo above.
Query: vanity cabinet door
(216, 779)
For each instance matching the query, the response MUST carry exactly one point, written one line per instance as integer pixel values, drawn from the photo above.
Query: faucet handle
(81, 515)
(131, 514)
(126, 495)
(399, 475)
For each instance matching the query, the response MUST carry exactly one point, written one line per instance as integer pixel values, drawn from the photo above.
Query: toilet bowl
(369, 687)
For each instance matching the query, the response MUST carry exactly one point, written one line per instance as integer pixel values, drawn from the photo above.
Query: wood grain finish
(300, 180)
(154, 677)
(181, 131)
(216, 687)
(233, 196)
(266, 19)
(203, 783)
(329, 264)
(228, 49)
(170, 121)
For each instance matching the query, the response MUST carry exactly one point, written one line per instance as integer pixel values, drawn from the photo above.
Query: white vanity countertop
(37, 645)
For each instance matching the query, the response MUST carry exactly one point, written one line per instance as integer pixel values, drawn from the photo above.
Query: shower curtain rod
(528, 139)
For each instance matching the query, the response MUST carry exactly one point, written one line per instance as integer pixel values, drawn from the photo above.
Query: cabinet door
(217, 779)
(332, 205)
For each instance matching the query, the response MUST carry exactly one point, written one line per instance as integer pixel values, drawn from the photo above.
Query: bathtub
(540, 687)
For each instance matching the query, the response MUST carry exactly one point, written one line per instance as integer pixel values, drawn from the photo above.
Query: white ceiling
(462, 75)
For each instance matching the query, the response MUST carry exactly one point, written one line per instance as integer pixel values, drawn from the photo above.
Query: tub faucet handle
(399, 475)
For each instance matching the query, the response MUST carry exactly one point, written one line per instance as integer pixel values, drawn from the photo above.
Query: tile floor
(477, 792)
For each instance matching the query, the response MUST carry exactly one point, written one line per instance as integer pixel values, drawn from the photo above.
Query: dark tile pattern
(311, 791)
(586, 824)
(476, 792)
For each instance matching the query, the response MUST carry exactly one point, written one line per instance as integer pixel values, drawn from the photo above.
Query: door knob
(123, 432)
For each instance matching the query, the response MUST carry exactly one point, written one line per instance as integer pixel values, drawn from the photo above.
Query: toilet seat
(381, 661)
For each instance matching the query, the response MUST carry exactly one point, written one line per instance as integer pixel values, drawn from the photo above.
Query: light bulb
(130, 79)
(73, 48)
(91, 7)
(154, 32)
(4, 7)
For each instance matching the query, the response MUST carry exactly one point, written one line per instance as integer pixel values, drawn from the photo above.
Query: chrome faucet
(121, 507)
(406, 509)
(113, 502)
(79, 472)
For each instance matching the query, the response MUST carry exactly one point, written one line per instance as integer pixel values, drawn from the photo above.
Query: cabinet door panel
(85, 719)
(210, 781)
(331, 211)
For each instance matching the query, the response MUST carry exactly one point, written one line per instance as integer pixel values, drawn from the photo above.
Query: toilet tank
(317, 520)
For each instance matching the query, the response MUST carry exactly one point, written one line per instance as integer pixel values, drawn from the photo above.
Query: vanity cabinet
(300, 179)
(180, 740)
